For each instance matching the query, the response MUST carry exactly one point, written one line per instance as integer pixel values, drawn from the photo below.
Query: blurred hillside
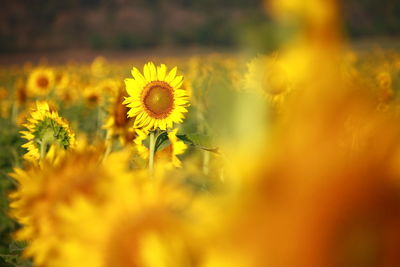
(32, 25)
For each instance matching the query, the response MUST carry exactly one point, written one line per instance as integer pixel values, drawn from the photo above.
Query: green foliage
(204, 142)
(14, 257)
(127, 41)
(97, 42)
(49, 127)
(10, 154)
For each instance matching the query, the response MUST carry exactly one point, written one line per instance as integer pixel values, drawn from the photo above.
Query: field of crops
(288, 159)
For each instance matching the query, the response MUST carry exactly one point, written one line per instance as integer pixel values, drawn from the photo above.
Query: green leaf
(17, 246)
(204, 142)
(160, 140)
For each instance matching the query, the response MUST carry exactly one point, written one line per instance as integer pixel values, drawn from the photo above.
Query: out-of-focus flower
(109, 86)
(155, 98)
(98, 67)
(337, 204)
(41, 81)
(168, 154)
(21, 94)
(267, 76)
(62, 79)
(117, 123)
(384, 80)
(44, 191)
(46, 127)
(143, 223)
(3, 93)
(92, 95)
(4, 105)
(142, 150)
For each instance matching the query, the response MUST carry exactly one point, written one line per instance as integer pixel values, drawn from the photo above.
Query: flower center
(93, 98)
(275, 81)
(158, 99)
(42, 82)
(21, 95)
(120, 111)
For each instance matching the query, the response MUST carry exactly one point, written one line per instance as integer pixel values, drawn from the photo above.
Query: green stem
(109, 145)
(14, 112)
(98, 120)
(43, 147)
(47, 139)
(206, 162)
(152, 148)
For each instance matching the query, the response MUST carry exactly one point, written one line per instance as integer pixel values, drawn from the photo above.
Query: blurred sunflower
(99, 67)
(45, 127)
(109, 86)
(43, 191)
(267, 76)
(20, 92)
(41, 81)
(92, 95)
(143, 223)
(176, 147)
(62, 79)
(117, 123)
(384, 80)
(168, 154)
(155, 98)
(4, 105)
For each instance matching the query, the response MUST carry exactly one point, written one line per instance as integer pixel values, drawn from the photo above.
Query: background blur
(40, 25)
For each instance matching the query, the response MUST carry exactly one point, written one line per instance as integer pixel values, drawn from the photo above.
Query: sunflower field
(285, 159)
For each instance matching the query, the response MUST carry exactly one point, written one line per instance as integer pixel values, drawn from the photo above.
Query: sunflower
(109, 86)
(4, 104)
(267, 76)
(176, 147)
(143, 223)
(92, 96)
(385, 90)
(168, 153)
(20, 92)
(45, 127)
(41, 81)
(99, 67)
(117, 123)
(43, 191)
(155, 98)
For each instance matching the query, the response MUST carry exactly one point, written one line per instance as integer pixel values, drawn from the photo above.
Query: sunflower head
(20, 92)
(117, 123)
(156, 99)
(143, 223)
(267, 76)
(45, 128)
(92, 96)
(43, 191)
(41, 81)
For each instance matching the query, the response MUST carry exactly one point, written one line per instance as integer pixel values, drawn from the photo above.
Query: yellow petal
(147, 72)
(177, 82)
(138, 76)
(153, 71)
(161, 71)
(131, 86)
(171, 75)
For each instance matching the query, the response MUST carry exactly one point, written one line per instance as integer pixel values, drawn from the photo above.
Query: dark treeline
(29, 25)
